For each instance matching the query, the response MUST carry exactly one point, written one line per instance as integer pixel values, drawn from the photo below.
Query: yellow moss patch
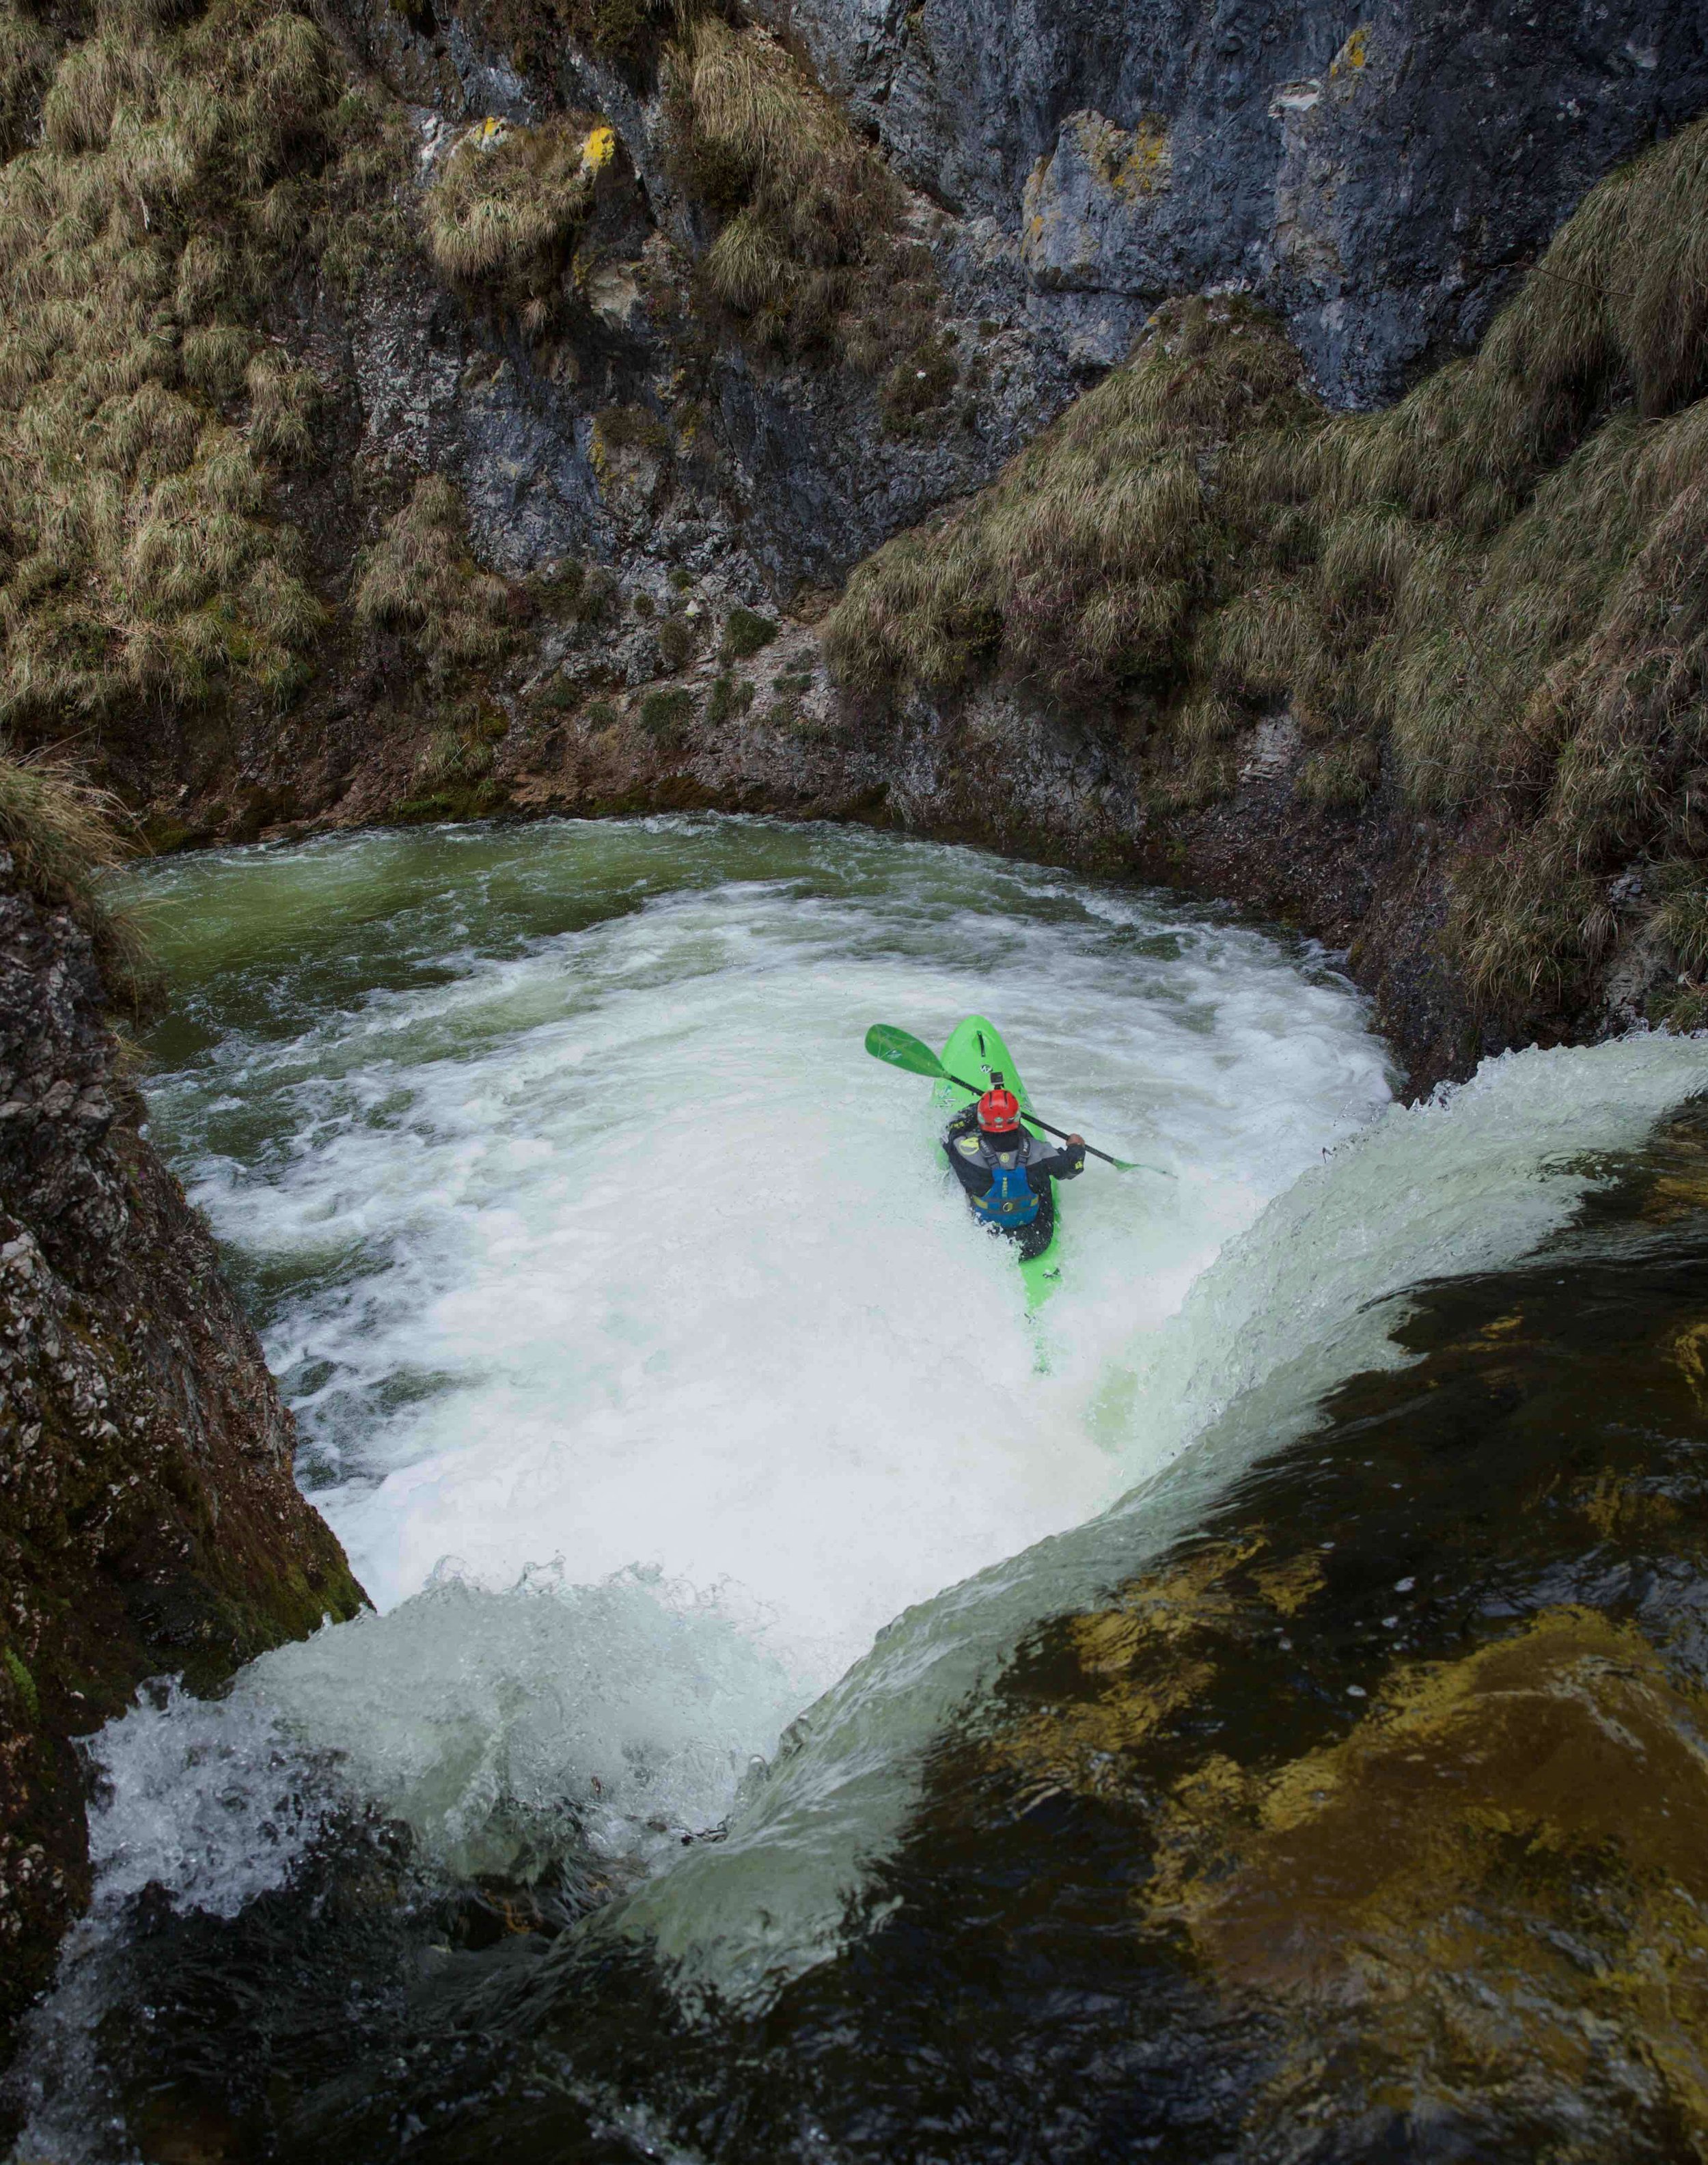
(1137, 1659)
(1689, 1352)
(1512, 1845)
(1613, 1506)
(1287, 1587)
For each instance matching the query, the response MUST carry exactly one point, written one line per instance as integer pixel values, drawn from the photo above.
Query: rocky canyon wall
(148, 1521)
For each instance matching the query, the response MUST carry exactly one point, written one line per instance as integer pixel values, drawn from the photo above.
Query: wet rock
(148, 1521)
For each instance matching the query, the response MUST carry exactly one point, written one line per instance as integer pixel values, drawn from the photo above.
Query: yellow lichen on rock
(599, 148)
(1613, 1506)
(1689, 1352)
(1148, 167)
(1138, 1659)
(1353, 55)
(1287, 1587)
(1135, 161)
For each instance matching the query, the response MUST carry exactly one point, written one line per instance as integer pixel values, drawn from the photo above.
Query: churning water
(597, 1256)
(650, 1368)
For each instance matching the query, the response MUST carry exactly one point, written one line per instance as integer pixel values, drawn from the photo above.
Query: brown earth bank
(149, 1520)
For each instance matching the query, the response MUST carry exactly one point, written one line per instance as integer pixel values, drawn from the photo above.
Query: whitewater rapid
(693, 1444)
(608, 1246)
(646, 1361)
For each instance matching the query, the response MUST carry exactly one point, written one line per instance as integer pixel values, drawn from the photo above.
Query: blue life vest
(1011, 1199)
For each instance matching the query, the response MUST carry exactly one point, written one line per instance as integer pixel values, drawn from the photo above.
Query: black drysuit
(975, 1168)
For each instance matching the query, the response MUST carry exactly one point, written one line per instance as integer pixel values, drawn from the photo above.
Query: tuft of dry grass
(502, 215)
(420, 581)
(629, 36)
(61, 833)
(1494, 591)
(1078, 572)
(808, 255)
(30, 51)
(181, 163)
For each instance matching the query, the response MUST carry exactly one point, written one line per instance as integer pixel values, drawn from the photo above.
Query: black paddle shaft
(961, 1083)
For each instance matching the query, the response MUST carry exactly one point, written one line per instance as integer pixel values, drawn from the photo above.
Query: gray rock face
(800, 477)
(1378, 181)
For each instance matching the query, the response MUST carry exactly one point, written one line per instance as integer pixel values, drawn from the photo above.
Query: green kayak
(975, 1050)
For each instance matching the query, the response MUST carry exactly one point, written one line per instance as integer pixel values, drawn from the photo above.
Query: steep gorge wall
(359, 459)
(646, 424)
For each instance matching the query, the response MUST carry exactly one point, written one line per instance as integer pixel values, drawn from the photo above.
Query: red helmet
(998, 1111)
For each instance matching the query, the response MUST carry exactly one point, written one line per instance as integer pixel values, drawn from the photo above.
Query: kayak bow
(976, 1051)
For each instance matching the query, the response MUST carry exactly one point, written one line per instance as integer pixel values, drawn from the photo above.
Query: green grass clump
(676, 644)
(502, 215)
(631, 429)
(809, 256)
(729, 697)
(1080, 570)
(558, 695)
(419, 581)
(181, 163)
(745, 632)
(1489, 598)
(920, 384)
(23, 1683)
(664, 716)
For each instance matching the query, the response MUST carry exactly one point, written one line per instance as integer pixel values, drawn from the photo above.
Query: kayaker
(1006, 1170)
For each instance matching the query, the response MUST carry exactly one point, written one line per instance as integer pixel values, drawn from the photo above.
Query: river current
(695, 1450)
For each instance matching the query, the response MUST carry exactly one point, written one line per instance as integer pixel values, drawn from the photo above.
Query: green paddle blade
(894, 1046)
(896, 1049)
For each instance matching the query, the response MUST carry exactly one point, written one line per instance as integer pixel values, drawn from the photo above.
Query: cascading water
(648, 1366)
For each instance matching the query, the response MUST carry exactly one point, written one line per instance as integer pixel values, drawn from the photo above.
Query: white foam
(630, 1254)
(214, 1803)
(505, 1728)
(1470, 1182)
(607, 1245)
(211, 1803)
